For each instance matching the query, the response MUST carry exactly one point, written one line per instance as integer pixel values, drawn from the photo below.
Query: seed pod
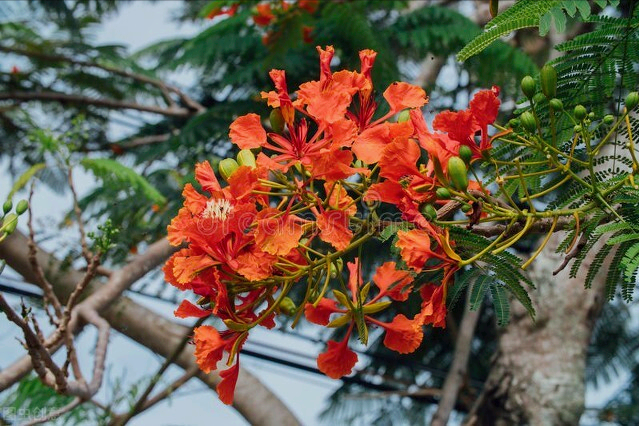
(465, 153)
(246, 158)
(608, 119)
(10, 223)
(277, 120)
(632, 100)
(287, 306)
(428, 211)
(443, 193)
(22, 206)
(548, 80)
(528, 86)
(227, 167)
(458, 173)
(403, 116)
(556, 104)
(528, 121)
(580, 112)
(6, 207)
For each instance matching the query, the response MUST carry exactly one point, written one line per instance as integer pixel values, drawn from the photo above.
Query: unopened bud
(10, 223)
(556, 104)
(7, 206)
(632, 100)
(580, 112)
(465, 153)
(246, 158)
(227, 167)
(22, 206)
(548, 80)
(287, 306)
(528, 121)
(528, 86)
(428, 211)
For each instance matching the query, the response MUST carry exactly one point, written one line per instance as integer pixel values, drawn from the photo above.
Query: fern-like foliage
(116, 175)
(527, 14)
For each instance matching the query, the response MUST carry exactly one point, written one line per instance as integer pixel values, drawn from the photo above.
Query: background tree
(65, 76)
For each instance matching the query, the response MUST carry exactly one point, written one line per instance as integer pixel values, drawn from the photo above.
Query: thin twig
(455, 377)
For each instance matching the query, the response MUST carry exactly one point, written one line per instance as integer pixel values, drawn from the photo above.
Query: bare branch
(55, 414)
(164, 87)
(19, 97)
(457, 372)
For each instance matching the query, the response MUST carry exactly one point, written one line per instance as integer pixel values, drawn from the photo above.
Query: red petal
(188, 310)
(338, 360)
(321, 313)
(226, 388)
(209, 347)
(206, 177)
(400, 95)
(247, 132)
(403, 335)
(395, 283)
(333, 226)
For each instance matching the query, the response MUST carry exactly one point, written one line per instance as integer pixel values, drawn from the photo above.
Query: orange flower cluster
(293, 212)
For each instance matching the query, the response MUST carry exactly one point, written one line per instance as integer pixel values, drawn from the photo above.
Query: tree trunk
(256, 403)
(537, 377)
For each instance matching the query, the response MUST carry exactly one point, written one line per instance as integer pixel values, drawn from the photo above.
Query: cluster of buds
(9, 220)
(291, 215)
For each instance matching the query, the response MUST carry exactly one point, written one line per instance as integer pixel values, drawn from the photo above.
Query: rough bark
(256, 403)
(537, 377)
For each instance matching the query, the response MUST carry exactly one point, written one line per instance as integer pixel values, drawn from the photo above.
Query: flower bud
(403, 116)
(514, 122)
(538, 98)
(548, 80)
(608, 119)
(287, 306)
(528, 86)
(10, 223)
(246, 158)
(632, 100)
(528, 121)
(465, 153)
(578, 128)
(458, 173)
(580, 112)
(443, 193)
(556, 104)
(227, 167)
(466, 207)
(336, 267)
(277, 120)
(428, 211)
(22, 207)
(6, 207)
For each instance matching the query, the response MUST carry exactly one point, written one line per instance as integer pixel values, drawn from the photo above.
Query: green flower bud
(458, 173)
(466, 207)
(578, 128)
(528, 86)
(548, 80)
(443, 193)
(528, 121)
(632, 100)
(608, 119)
(227, 167)
(428, 211)
(580, 112)
(556, 104)
(246, 158)
(10, 223)
(277, 120)
(7, 206)
(22, 206)
(539, 98)
(514, 122)
(465, 153)
(287, 306)
(403, 116)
